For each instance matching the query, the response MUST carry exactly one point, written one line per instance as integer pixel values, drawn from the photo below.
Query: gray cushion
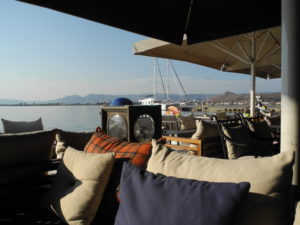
(269, 177)
(22, 126)
(76, 140)
(262, 140)
(205, 130)
(187, 122)
(260, 129)
(77, 190)
(26, 147)
(240, 135)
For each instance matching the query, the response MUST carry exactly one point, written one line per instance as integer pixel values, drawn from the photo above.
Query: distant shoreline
(58, 104)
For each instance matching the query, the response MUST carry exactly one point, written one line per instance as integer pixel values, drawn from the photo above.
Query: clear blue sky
(45, 55)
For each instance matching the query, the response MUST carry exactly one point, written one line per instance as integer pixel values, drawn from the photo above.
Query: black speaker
(133, 123)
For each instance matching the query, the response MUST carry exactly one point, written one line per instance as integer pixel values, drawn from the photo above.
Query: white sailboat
(165, 104)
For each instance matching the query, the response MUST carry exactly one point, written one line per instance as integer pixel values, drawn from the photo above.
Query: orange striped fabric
(100, 142)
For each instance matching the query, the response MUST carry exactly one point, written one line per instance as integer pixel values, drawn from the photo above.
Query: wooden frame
(197, 149)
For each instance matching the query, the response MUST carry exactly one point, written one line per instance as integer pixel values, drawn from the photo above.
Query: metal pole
(252, 91)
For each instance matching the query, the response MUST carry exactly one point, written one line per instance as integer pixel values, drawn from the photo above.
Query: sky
(46, 55)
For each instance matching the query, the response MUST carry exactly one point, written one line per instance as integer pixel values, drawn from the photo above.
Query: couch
(81, 186)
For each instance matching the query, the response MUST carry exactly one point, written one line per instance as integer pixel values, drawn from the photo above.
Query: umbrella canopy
(257, 53)
(232, 54)
(169, 20)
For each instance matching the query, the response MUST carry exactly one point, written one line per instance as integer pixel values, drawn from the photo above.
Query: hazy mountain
(9, 101)
(233, 97)
(102, 98)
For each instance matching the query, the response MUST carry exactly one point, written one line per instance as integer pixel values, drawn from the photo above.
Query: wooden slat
(197, 143)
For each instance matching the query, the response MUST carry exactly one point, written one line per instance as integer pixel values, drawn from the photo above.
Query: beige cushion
(76, 140)
(240, 135)
(22, 126)
(205, 130)
(187, 122)
(26, 148)
(269, 177)
(79, 185)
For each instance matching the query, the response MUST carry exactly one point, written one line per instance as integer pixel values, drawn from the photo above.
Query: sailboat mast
(168, 80)
(162, 81)
(181, 86)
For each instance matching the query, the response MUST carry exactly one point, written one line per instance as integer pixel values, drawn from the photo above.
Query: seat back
(228, 139)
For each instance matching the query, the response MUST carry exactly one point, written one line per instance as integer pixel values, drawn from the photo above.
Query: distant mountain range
(233, 97)
(102, 98)
(99, 98)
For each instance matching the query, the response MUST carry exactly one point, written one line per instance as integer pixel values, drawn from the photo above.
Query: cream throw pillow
(79, 185)
(269, 177)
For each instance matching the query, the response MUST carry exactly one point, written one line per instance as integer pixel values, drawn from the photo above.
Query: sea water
(69, 118)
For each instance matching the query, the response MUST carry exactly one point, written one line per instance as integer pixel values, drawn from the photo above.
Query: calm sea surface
(70, 118)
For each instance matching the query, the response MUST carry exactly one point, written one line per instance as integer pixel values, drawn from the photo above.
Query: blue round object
(121, 101)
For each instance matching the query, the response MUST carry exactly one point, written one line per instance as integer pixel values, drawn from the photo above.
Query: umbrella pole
(252, 91)
(252, 64)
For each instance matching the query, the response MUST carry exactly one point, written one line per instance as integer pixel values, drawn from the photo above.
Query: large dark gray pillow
(22, 126)
(26, 148)
(148, 199)
(260, 129)
(240, 135)
(76, 140)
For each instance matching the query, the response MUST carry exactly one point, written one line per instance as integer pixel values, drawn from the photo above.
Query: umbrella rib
(274, 38)
(277, 66)
(269, 52)
(263, 43)
(225, 49)
(242, 48)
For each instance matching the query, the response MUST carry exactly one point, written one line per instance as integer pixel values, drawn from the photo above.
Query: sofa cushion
(22, 126)
(262, 137)
(150, 199)
(100, 142)
(77, 190)
(26, 148)
(240, 135)
(205, 130)
(269, 177)
(260, 129)
(77, 140)
(109, 205)
(187, 122)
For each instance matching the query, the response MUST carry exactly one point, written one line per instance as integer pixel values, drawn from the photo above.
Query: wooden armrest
(197, 149)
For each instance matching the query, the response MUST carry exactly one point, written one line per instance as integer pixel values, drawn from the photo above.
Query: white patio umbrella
(257, 53)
